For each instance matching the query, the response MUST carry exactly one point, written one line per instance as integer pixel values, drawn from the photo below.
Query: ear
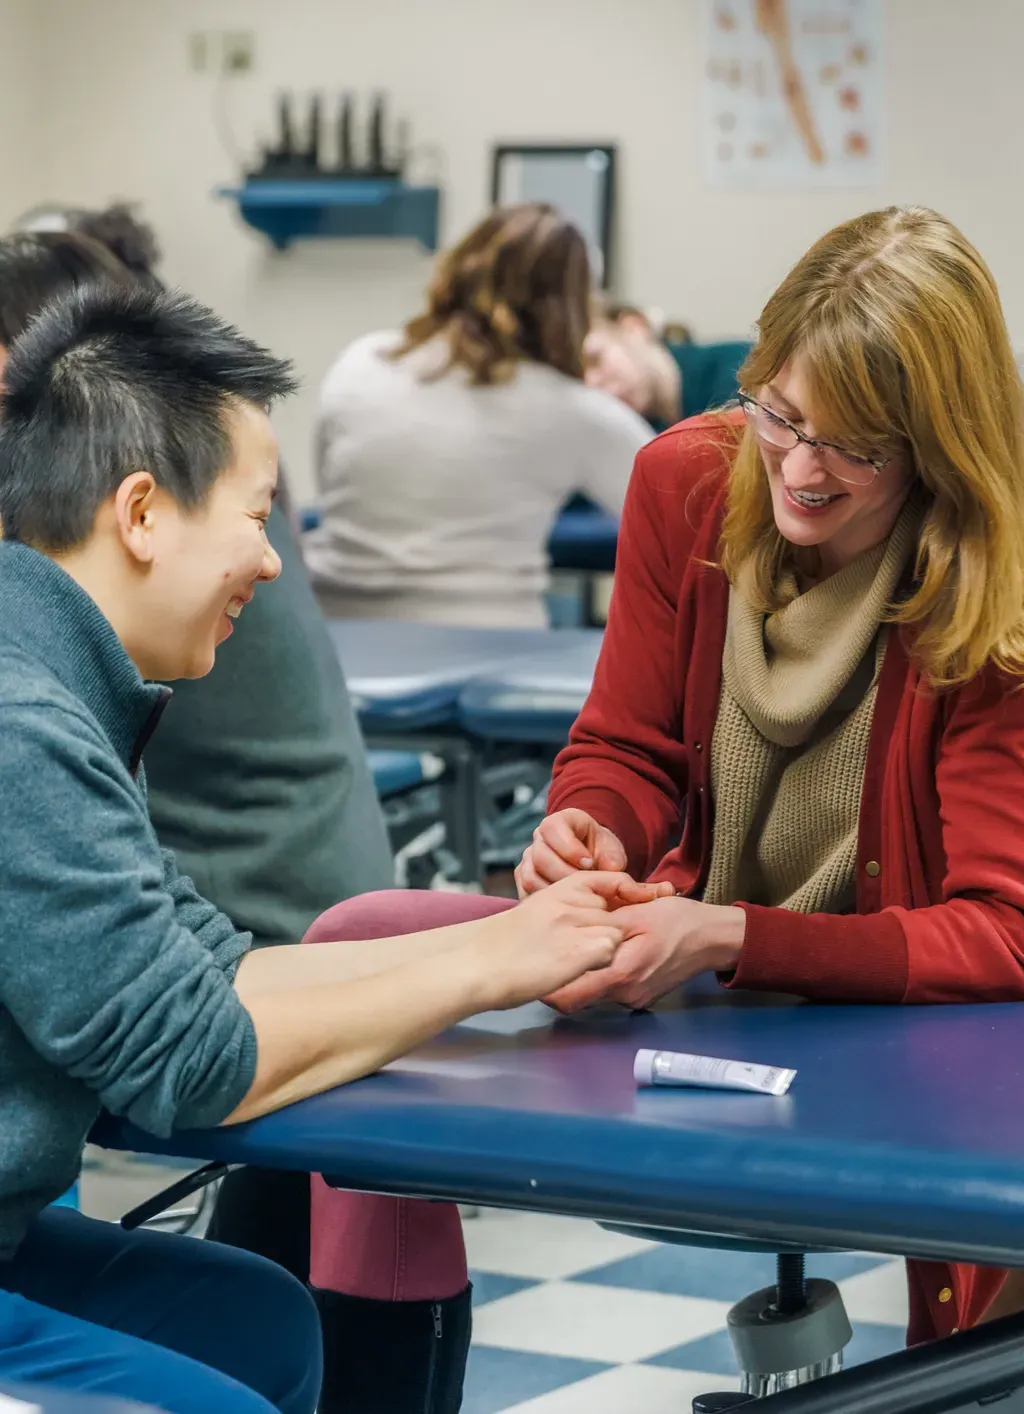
(135, 514)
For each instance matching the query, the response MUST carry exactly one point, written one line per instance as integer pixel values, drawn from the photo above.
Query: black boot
(380, 1357)
(393, 1357)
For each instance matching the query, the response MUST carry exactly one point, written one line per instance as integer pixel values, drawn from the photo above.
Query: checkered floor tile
(570, 1319)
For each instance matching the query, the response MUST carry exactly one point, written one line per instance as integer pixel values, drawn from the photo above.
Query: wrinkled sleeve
(110, 963)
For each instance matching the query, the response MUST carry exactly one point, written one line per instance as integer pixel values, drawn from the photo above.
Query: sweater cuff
(850, 958)
(610, 810)
(212, 1109)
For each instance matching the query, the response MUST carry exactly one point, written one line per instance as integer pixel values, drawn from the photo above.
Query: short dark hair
(36, 267)
(110, 379)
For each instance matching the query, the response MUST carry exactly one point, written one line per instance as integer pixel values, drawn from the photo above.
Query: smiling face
(203, 565)
(814, 508)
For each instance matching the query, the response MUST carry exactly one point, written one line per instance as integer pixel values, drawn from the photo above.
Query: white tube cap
(643, 1067)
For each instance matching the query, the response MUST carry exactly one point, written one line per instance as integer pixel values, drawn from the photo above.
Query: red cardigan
(940, 858)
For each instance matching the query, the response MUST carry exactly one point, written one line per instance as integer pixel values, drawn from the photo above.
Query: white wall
(124, 116)
(20, 107)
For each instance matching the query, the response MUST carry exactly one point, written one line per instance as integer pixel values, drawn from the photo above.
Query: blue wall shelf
(286, 211)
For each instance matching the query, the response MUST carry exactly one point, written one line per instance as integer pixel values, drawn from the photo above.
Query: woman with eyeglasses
(807, 714)
(808, 711)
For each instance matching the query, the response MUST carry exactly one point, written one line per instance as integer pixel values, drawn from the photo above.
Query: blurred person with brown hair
(444, 451)
(625, 356)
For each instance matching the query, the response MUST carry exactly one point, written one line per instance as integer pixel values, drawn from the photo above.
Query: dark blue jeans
(190, 1327)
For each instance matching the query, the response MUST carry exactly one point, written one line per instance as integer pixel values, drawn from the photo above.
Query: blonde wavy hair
(902, 334)
(517, 286)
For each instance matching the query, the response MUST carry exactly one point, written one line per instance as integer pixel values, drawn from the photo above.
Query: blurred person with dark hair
(444, 451)
(118, 227)
(35, 268)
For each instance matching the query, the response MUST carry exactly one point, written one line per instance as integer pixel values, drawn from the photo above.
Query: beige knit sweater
(791, 738)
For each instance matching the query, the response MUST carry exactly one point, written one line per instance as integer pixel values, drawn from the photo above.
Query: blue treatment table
(405, 681)
(902, 1133)
(535, 698)
(406, 677)
(49, 1400)
(395, 772)
(585, 538)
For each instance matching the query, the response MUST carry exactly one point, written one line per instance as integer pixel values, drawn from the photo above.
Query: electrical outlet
(238, 51)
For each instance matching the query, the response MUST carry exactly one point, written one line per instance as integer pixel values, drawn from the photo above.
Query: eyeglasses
(777, 432)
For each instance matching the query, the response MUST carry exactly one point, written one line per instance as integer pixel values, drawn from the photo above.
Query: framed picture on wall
(577, 179)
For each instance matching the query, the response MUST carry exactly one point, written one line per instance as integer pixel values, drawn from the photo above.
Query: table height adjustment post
(784, 1336)
(790, 1283)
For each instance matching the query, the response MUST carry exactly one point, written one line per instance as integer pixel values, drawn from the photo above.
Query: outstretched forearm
(297, 965)
(310, 1038)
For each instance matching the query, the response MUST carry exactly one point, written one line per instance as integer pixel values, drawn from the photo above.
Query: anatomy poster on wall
(793, 92)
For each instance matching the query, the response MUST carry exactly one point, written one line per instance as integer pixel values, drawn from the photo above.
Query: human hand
(554, 937)
(563, 844)
(664, 944)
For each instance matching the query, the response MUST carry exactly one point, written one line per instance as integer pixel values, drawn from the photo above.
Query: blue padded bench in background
(533, 698)
(407, 784)
(48, 1400)
(395, 772)
(405, 680)
(584, 537)
(406, 677)
(581, 552)
(407, 683)
(520, 714)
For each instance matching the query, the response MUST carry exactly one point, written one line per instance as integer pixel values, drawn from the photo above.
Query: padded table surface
(903, 1132)
(584, 538)
(534, 698)
(393, 772)
(20, 1399)
(407, 676)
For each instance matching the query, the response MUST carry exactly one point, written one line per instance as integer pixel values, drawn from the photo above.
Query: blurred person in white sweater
(445, 450)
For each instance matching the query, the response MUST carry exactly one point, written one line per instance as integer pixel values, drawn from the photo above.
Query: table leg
(460, 793)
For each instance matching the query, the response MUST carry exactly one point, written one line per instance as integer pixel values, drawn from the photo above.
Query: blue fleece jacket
(115, 975)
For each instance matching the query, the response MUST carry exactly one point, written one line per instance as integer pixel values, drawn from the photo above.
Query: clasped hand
(664, 942)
